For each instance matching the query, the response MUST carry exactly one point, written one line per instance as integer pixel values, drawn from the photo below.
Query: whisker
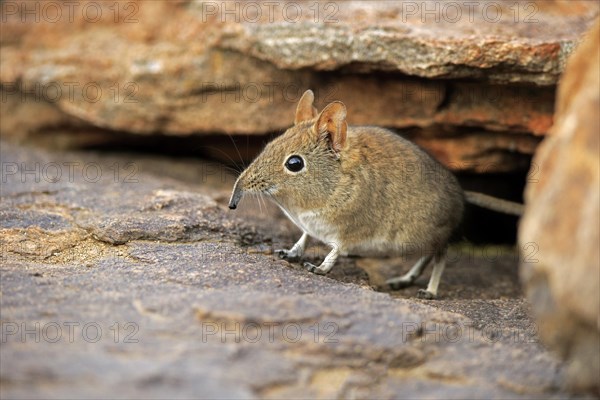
(264, 204)
(258, 201)
(231, 169)
(237, 168)
(237, 150)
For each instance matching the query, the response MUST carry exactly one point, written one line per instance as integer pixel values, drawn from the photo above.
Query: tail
(494, 203)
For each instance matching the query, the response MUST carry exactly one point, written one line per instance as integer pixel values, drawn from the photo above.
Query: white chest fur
(314, 224)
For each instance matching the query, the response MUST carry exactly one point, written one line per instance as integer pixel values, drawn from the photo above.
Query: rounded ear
(305, 110)
(331, 124)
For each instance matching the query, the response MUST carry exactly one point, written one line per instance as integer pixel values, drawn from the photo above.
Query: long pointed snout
(236, 195)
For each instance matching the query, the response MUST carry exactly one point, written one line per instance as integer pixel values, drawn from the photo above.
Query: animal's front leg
(296, 251)
(327, 263)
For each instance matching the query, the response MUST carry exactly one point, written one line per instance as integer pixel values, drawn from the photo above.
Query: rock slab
(130, 278)
(478, 78)
(561, 222)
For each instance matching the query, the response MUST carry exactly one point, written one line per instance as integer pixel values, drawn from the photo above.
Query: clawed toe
(314, 269)
(285, 255)
(310, 267)
(398, 283)
(425, 295)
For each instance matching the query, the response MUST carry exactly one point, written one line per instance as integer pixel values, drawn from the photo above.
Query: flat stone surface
(145, 285)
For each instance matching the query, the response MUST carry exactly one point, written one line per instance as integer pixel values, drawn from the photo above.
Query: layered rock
(465, 73)
(561, 224)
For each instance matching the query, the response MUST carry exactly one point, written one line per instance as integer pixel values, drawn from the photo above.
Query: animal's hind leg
(410, 277)
(439, 263)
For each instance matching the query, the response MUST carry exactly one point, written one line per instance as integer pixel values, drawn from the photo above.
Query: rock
(560, 226)
(127, 276)
(489, 69)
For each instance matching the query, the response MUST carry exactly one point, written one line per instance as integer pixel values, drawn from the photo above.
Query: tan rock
(560, 230)
(214, 67)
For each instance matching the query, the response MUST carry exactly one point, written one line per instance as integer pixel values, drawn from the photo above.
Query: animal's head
(300, 168)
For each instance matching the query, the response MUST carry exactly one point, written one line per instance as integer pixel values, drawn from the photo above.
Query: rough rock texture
(562, 221)
(126, 276)
(479, 77)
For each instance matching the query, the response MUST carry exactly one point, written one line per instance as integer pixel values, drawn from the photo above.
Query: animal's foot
(426, 295)
(399, 282)
(314, 269)
(287, 255)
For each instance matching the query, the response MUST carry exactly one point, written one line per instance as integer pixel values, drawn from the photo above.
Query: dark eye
(294, 163)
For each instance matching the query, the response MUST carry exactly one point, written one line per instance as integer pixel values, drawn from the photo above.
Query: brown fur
(373, 192)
